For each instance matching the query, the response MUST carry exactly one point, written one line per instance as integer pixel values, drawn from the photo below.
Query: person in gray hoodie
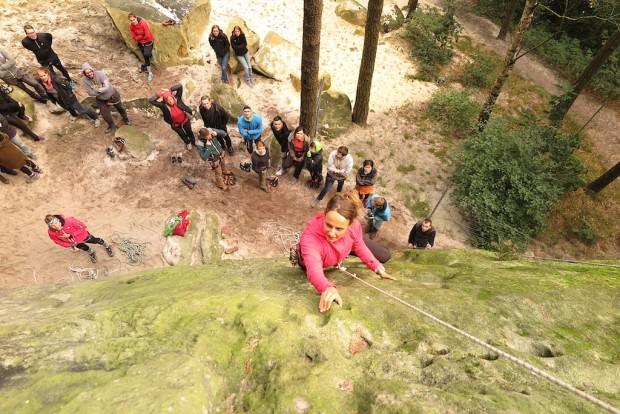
(98, 85)
(12, 75)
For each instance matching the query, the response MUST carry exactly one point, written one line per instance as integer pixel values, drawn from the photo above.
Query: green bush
(507, 180)
(453, 111)
(481, 71)
(432, 35)
(585, 232)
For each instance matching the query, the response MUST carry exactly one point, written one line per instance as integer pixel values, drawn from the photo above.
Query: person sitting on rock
(365, 180)
(69, 232)
(59, 92)
(314, 163)
(13, 158)
(339, 165)
(329, 238)
(422, 235)
(211, 151)
(298, 146)
(98, 85)
(15, 113)
(214, 116)
(250, 127)
(281, 133)
(175, 112)
(41, 45)
(260, 163)
(240, 46)
(13, 136)
(378, 212)
(221, 46)
(13, 75)
(141, 33)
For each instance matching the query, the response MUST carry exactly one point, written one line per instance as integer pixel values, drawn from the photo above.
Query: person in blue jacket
(378, 212)
(250, 127)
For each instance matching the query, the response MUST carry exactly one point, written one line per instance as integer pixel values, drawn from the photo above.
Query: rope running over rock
(498, 351)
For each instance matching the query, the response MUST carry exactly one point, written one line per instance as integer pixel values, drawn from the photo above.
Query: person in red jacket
(71, 232)
(329, 238)
(141, 33)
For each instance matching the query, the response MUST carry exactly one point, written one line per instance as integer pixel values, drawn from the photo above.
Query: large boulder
(335, 113)
(352, 12)
(25, 99)
(252, 38)
(70, 129)
(138, 145)
(200, 244)
(392, 17)
(277, 58)
(174, 45)
(323, 74)
(227, 97)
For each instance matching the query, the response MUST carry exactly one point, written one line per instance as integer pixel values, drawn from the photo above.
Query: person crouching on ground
(329, 238)
(422, 235)
(378, 211)
(11, 157)
(314, 163)
(260, 163)
(211, 150)
(339, 165)
(175, 112)
(71, 232)
(98, 85)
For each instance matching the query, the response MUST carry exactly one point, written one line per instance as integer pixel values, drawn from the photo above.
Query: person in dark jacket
(314, 163)
(214, 116)
(211, 151)
(221, 47)
(260, 163)
(281, 133)
(365, 180)
(13, 75)
(41, 45)
(15, 114)
(59, 92)
(141, 33)
(13, 158)
(69, 232)
(298, 146)
(175, 112)
(422, 235)
(240, 47)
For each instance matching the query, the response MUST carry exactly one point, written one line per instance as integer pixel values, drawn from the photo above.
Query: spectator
(141, 33)
(12, 134)
(12, 75)
(70, 232)
(15, 114)
(210, 150)
(214, 116)
(314, 163)
(98, 85)
(422, 235)
(250, 127)
(175, 112)
(298, 146)
(221, 46)
(240, 47)
(11, 157)
(377, 213)
(260, 163)
(365, 180)
(339, 165)
(41, 45)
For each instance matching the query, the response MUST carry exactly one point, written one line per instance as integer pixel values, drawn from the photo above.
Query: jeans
(77, 108)
(17, 140)
(247, 66)
(329, 182)
(40, 96)
(223, 61)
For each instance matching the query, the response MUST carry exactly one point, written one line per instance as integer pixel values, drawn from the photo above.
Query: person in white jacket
(339, 165)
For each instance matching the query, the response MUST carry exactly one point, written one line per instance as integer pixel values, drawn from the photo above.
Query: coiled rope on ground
(284, 236)
(134, 249)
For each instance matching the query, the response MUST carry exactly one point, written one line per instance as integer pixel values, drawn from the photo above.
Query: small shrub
(361, 154)
(405, 168)
(480, 72)
(453, 110)
(585, 232)
(407, 136)
(505, 250)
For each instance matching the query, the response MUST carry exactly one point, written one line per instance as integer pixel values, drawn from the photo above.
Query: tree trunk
(605, 179)
(562, 104)
(367, 66)
(412, 5)
(310, 51)
(509, 61)
(511, 7)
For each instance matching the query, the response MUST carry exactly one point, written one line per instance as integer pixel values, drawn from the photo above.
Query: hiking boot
(8, 171)
(4, 179)
(110, 129)
(141, 69)
(26, 118)
(32, 178)
(149, 77)
(37, 169)
(315, 203)
(127, 121)
(93, 257)
(110, 251)
(97, 122)
(31, 156)
(173, 158)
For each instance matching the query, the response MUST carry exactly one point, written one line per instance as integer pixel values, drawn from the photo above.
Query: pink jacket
(318, 253)
(72, 226)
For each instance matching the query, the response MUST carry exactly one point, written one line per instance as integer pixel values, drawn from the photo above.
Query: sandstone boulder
(277, 58)
(392, 17)
(174, 45)
(323, 74)
(252, 38)
(25, 99)
(335, 113)
(352, 12)
(199, 245)
(69, 129)
(227, 97)
(138, 145)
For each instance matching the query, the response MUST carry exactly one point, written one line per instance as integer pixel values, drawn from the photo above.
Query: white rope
(506, 355)
(284, 236)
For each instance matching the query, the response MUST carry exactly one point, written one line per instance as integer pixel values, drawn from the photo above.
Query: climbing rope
(83, 273)
(498, 351)
(135, 250)
(286, 237)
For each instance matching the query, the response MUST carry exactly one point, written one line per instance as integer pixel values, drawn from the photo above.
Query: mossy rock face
(138, 145)
(352, 12)
(246, 336)
(251, 37)
(26, 100)
(69, 129)
(323, 74)
(277, 58)
(174, 45)
(335, 113)
(137, 103)
(392, 17)
(227, 97)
